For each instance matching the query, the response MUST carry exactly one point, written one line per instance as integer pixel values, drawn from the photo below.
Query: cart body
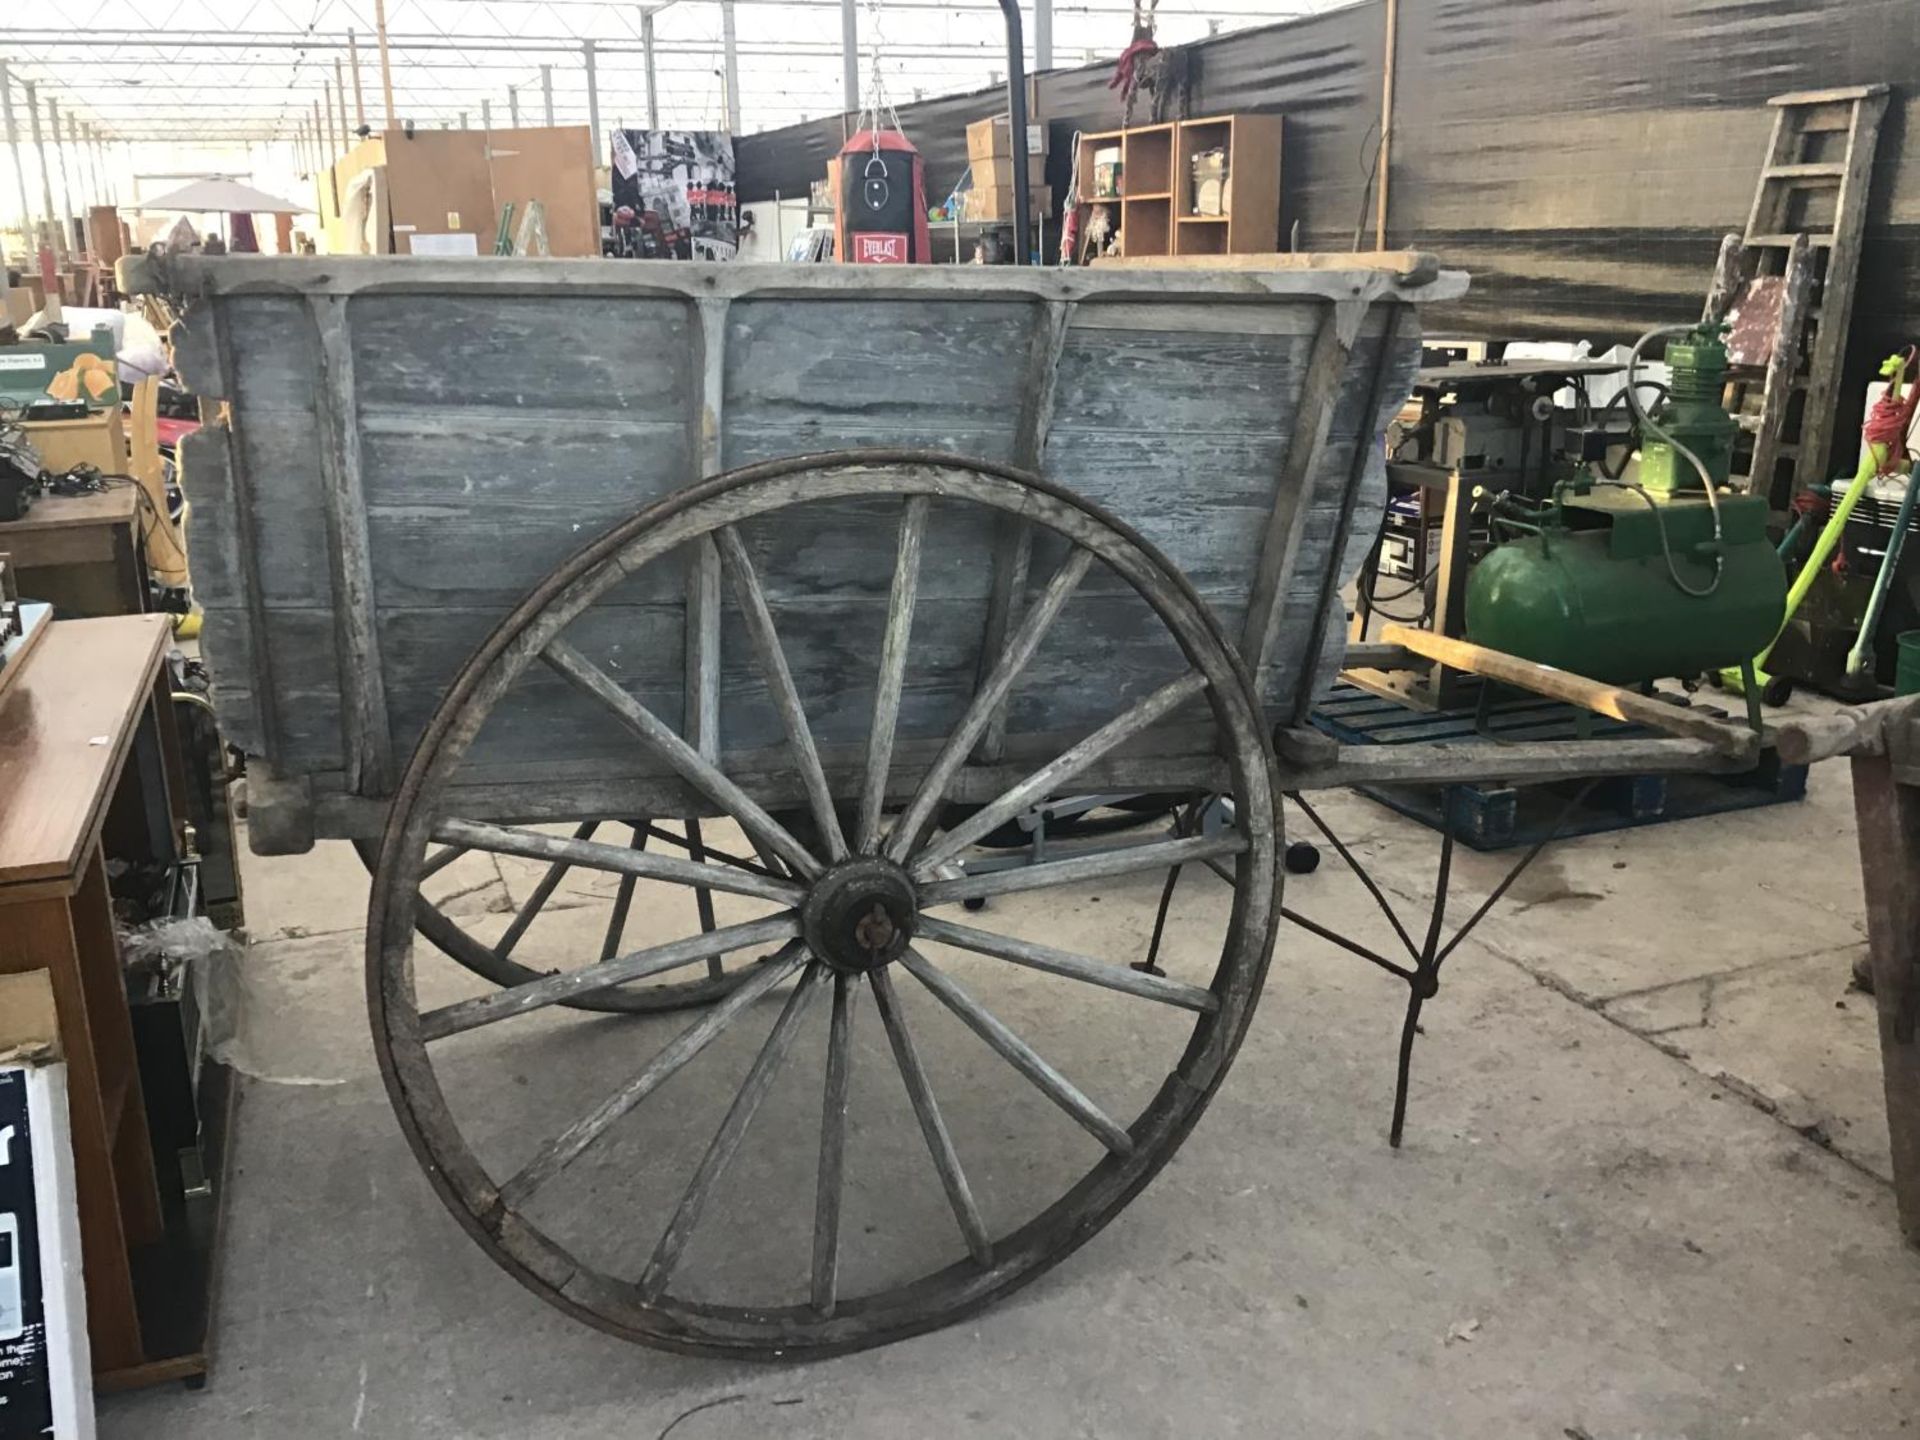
(405, 450)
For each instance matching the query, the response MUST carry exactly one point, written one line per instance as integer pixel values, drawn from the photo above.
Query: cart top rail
(407, 447)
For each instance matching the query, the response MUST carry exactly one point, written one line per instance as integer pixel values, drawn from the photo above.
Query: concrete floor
(1643, 1191)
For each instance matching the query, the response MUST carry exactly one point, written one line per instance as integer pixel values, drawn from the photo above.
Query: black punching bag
(881, 210)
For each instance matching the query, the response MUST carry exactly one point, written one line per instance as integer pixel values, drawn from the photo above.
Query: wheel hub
(860, 915)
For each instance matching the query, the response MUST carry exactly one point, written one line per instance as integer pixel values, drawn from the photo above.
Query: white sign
(22, 362)
(464, 243)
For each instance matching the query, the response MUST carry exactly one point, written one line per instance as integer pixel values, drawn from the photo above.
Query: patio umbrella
(227, 197)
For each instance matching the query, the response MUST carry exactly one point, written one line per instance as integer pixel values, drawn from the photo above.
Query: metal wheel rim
(947, 1295)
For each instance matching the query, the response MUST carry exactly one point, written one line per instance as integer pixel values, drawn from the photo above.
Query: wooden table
(81, 553)
(88, 765)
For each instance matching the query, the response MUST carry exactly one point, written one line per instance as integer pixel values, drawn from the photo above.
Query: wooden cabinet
(80, 553)
(88, 766)
(1158, 208)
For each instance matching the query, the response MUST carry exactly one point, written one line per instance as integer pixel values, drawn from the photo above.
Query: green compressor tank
(1627, 583)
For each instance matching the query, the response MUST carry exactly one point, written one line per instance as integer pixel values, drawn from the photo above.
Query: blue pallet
(1489, 816)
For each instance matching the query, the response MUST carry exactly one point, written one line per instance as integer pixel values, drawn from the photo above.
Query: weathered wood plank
(1292, 495)
(194, 277)
(1734, 741)
(1321, 629)
(1013, 539)
(366, 735)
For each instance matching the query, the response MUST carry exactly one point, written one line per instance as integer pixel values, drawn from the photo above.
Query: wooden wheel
(491, 956)
(561, 1204)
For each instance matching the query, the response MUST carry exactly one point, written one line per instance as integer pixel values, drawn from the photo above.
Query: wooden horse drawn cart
(858, 563)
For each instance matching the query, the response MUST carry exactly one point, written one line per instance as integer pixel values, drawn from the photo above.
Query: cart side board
(410, 446)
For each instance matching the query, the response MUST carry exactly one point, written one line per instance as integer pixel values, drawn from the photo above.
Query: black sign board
(26, 1393)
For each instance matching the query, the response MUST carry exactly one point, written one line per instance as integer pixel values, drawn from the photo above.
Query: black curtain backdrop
(1581, 159)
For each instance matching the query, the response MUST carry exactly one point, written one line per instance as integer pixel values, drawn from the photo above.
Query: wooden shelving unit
(95, 770)
(1156, 202)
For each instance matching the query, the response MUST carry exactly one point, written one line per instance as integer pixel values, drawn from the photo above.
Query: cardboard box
(997, 203)
(996, 172)
(994, 136)
(100, 440)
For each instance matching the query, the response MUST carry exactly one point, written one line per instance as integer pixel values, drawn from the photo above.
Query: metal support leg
(1423, 975)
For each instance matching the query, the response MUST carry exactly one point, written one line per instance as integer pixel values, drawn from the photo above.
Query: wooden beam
(1416, 267)
(366, 731)
(1856, 730)
(386, 64)
(1320, 389)
(1388, 66)
(1734, 741)
(359, 103)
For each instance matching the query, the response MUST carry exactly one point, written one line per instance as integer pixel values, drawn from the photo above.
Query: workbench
(89, 767)
(81, 553)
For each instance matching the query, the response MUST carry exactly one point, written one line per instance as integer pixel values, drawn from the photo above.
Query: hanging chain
(878, 105)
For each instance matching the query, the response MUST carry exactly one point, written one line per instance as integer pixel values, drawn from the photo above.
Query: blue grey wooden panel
(531, 352)
(505, 419)
(478, 517)
(835, 374)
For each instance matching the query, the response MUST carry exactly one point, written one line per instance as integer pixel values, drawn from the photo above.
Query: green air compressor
(1623, 582)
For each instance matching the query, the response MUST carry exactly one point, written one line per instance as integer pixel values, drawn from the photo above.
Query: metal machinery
(1629, 580)
(1473, 428)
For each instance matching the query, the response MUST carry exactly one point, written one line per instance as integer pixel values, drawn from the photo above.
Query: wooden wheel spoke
(939, 1143)
(1154, 855)
(779, 680)
(623, 899)
(619, 859)
(694, 767)
(571, 984)
(1065, 962)
(569, 1144)
(440, 859)
(1056, 772)
(1019, 1054)
(1020, 649)
(893, 673)
(542, 892)
(726, 1140)
(833, 1146)
(702, 894)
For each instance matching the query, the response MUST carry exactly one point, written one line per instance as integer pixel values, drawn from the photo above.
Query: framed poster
(673, 196)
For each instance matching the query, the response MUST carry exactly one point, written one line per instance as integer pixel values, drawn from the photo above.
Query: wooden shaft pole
(1385, 166)
(60, 156)
(353, 63)
(1601, 699)
(386, 63)
(28, 224)
(593, 95)
(46, 178)
(340, 99)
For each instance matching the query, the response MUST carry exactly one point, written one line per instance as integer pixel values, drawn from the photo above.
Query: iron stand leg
(1423, 975)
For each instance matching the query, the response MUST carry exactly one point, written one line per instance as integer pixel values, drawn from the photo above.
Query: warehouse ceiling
(226, 71)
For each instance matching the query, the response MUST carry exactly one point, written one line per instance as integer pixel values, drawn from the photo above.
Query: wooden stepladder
(1787, 285)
